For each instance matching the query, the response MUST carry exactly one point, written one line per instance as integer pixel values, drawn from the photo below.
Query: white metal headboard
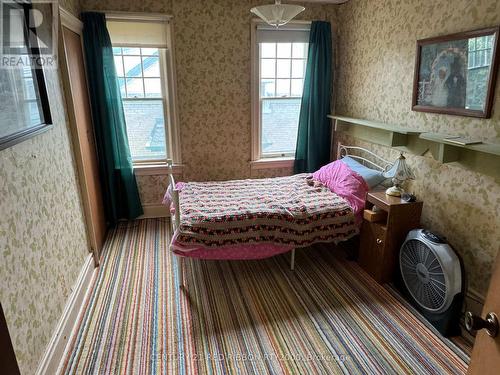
(379, 162)
(175, 221)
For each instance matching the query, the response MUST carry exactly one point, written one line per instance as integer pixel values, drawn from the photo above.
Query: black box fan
(431, 277)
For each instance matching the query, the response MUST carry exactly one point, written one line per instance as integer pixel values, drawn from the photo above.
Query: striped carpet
(243, 317)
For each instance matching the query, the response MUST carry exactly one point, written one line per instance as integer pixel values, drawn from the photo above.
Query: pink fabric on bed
(237, 252)
(343, 181)
(167, 198)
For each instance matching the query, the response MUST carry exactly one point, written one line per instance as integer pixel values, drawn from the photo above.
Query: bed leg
(180, 264)
(292, 260)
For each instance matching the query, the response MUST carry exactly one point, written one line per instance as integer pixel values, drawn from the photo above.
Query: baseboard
(152, 211)
(474, 301)
(55, 350)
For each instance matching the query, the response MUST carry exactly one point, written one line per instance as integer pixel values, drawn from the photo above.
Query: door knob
(475, 323)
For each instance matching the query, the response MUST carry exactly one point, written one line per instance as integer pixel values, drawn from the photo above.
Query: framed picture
(456, 74)
(24, 104)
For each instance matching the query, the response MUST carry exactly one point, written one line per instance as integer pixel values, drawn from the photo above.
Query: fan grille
(423, 275)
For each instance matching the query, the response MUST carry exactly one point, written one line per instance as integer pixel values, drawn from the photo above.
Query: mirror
(455, 74)
(24, 102)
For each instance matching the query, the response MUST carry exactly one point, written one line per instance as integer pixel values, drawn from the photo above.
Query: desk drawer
(375, 216)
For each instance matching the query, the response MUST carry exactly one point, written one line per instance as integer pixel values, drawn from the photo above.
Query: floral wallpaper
(213, 71)
(212, 48)
(375, 78)
(43, 242)
(152, 187)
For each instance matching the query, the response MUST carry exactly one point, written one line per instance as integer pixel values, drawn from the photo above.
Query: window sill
(271, 163)
(152, 169)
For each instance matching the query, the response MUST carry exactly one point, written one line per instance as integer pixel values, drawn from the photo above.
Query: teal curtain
(313, 140)
(120, 193)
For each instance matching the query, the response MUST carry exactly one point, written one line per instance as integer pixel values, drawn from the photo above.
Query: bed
(260, 218)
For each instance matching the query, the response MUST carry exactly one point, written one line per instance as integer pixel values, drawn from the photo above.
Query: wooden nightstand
(383, 232)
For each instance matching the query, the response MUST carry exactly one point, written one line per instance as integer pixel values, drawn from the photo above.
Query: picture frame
(456, 74)
(24, 103)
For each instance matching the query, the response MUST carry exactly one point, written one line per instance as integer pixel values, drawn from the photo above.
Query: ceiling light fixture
(277, 14)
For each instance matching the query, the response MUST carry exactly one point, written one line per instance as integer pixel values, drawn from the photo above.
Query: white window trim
(257, 161)
(272, 163)
(169, 85)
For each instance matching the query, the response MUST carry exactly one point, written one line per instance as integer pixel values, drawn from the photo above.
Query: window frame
(258, 160)
(168, 81)
(164, 88)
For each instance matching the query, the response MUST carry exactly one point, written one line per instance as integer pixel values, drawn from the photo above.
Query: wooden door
(486, 353)
(83, 134)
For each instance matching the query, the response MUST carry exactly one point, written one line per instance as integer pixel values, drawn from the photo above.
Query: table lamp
(399, 172)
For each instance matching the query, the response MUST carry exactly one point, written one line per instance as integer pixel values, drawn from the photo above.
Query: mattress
(261, 216)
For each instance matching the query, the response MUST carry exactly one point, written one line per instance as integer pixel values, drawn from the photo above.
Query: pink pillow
(343, 181)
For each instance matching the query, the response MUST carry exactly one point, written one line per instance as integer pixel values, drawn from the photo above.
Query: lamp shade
(400, 170)
(277, 14)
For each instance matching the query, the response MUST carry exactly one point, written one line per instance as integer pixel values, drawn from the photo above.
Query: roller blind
(290, 33)
(147, 34)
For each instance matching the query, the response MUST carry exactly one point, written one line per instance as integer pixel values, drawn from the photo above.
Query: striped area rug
(243, 317)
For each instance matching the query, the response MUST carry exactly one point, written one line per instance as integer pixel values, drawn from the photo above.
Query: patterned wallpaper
(43, 242)
(213, 70)
(377, 54)
(212, 47)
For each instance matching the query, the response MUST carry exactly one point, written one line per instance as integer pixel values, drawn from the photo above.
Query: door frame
(72, 23)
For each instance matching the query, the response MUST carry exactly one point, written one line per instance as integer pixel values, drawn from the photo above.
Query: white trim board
(57, 344)
(152, 211)
(272, 163)
(70, 21)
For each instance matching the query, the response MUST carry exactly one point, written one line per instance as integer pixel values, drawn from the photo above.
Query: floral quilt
(293, 210)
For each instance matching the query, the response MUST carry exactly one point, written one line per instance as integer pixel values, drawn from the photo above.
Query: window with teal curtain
(313, 139)
(120, 192)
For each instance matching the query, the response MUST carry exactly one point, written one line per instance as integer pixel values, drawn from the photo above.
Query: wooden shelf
(374, 124)
(377, 132)
(450, 151)
(482, 158)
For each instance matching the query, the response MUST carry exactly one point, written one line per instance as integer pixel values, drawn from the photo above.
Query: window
(140, 81)
(143, 69)
(280, 58)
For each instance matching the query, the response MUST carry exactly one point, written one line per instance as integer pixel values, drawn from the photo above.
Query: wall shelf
(482, 158)
(450, 152)
(385, 134)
